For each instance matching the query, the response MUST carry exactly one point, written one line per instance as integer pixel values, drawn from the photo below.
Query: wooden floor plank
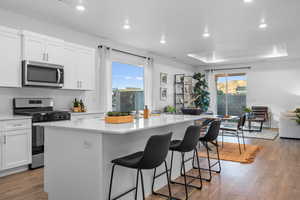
(273, 176)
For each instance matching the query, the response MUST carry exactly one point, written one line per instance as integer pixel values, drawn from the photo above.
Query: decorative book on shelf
(183, 91)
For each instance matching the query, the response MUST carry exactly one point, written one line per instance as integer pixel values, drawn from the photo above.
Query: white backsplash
(63, 98)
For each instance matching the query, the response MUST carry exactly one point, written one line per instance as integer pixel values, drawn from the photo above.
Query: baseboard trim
(13, 171)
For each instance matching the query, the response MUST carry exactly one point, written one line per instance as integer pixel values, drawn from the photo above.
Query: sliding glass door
(231, 93)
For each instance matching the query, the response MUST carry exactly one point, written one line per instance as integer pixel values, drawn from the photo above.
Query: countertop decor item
(191, 111)
(78, 106)
(118, 118)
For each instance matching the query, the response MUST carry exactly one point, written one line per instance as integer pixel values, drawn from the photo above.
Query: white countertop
(13, 117)
(99, 125)
(86, 113)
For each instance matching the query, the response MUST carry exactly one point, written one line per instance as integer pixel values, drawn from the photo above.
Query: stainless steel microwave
(37, 74)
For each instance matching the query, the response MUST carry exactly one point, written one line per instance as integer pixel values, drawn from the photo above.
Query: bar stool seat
(130, 161)
(175, 145)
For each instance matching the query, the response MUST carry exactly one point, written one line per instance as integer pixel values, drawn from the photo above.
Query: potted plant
(170, 109)
(201, 96)
(76, 106)
(118, 117)
(247, 111)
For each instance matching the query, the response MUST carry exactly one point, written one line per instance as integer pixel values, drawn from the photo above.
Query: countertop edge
(117, 132)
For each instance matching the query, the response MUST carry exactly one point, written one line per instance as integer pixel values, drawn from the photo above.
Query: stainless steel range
(41, 110)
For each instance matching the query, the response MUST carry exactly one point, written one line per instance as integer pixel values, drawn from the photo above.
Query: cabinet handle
(4, 139)
(18, 125)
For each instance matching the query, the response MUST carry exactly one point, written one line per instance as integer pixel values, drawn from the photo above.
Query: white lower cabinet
(15, 145)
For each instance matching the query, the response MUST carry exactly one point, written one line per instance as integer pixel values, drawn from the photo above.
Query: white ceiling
(232, 23)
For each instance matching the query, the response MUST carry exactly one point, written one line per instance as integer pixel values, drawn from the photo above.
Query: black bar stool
(154, 155)
(188, 144)
(211, 137)
(236, 131)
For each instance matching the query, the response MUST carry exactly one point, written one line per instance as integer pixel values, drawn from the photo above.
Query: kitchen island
(78, 155)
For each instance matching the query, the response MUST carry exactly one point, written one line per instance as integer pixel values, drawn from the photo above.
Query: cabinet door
(34, 48)
(10, 56)
(16, 148)
(86, 69)
(1, 149)
(70, 67)
(54, 51)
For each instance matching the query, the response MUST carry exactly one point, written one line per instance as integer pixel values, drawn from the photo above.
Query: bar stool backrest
(241, 122)
(191, 138)
(213, 131)
(155, 151)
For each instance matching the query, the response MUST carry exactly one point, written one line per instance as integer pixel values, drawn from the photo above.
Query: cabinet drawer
(12, 125)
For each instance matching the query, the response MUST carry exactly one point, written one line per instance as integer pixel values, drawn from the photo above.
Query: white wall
(64, 98)
(171, 68)
(275, 84)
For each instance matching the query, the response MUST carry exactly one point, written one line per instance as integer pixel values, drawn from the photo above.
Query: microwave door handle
(59, 76)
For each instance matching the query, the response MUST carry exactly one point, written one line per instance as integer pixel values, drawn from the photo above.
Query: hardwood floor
(273, 176)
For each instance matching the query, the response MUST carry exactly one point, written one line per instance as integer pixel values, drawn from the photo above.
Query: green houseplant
(201, 93)
(297, 111)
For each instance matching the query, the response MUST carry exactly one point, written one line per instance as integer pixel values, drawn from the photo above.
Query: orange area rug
(230, 152)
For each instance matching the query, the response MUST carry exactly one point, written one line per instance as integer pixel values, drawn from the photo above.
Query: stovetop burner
(40, 109)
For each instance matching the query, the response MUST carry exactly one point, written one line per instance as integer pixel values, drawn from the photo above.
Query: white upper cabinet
(54, 51)
(10, 56)
(41, 48)
(15, 46)
(86, 68)
(79, 67)
(70, 67)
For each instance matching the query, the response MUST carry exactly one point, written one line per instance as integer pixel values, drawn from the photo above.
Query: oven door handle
(58, 75)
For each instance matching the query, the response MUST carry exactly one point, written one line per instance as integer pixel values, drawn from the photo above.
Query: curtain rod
(125, 52)
(223, 69)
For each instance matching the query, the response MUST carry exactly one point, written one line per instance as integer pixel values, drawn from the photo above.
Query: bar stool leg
(143, 188)
(243, 140)
(137, 183)
(184, 176)
(217, 146)
(222, 138)
(111, 181)
(238, 137)
(208, 160)
(168, 180)
(199, 170)
(171, 166)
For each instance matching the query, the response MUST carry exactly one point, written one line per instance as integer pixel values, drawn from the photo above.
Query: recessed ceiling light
(263, 24)
(206, 34)
(248, 1)
(163, 40)
(126, 25)
(80, 7)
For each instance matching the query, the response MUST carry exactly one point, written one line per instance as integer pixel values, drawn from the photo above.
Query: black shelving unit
(183, 86)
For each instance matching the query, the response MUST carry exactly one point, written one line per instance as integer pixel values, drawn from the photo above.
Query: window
(127, 87)
(231, 93)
